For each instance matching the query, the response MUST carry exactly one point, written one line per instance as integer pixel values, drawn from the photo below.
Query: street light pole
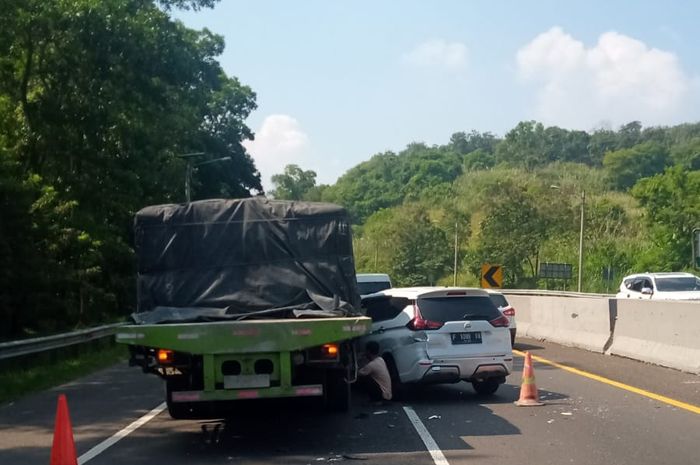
(188, 170)
(454, 279)
(188, 178)
(580, 242)
(188, 173)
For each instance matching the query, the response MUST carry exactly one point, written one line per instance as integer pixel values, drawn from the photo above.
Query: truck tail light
(509, 311)
(329, 350)
(165, 356)
(418, 323)
(500, 322)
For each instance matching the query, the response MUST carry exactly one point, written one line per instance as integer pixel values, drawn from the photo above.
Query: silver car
(441, 335)
(499, 300)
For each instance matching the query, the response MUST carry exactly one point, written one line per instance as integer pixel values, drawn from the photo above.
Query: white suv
(441, 335)
(660, 286)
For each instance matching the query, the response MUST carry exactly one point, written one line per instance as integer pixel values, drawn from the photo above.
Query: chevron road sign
(491, 276)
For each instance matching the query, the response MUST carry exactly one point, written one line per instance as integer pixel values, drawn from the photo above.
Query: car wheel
(486, 387)
(393, 374)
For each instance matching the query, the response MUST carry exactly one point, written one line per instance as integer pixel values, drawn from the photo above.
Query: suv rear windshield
(372, 287)
(443, 309)
(498, 300)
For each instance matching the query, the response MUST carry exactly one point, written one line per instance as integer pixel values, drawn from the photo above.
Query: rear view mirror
(647, 291)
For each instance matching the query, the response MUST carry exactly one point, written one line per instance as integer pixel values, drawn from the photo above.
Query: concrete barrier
(661, 332)
(583, 322)
(665, 333)
(521, 304)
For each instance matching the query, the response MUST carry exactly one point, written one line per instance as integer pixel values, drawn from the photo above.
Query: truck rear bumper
(309, 390)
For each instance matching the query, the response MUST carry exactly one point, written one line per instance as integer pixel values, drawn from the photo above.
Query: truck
(245, 299)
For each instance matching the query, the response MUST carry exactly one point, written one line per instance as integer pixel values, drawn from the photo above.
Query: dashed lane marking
(430, 444)
(119, 435)
(617, 384)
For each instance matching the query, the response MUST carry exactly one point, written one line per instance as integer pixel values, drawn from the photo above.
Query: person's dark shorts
(370, 386)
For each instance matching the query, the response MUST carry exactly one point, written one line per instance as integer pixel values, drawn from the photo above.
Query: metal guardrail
(57, 341)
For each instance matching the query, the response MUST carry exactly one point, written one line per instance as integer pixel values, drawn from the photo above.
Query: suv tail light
(501, 321)
(419, 324)
(509, 311)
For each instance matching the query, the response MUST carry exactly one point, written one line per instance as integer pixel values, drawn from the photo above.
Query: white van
(369, 283)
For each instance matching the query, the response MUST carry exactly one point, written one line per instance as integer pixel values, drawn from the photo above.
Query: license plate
(473, 337)
(246, 381)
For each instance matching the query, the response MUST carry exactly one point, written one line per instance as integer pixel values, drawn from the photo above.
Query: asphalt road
(584, 421)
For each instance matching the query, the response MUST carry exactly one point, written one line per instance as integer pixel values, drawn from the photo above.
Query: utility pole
(454, 279)
(376, 254)
(580, 242)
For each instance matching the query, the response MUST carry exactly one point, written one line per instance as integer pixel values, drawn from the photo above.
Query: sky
(340, 81)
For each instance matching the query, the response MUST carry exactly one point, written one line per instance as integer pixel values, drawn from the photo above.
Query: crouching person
(374, 376)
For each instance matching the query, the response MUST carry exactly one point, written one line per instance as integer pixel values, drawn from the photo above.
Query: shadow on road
(302, 432)
(525, 346)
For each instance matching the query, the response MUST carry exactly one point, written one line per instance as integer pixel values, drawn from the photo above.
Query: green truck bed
(244, 337)
(234, 360)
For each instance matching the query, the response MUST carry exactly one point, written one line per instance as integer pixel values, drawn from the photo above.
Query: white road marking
(430, 444)
(118, 436)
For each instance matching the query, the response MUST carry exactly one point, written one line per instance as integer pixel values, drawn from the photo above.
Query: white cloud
(279, 141)
(618, 80)
(437, 52)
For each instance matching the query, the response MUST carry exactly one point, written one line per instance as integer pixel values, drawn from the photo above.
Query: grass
(22, 377)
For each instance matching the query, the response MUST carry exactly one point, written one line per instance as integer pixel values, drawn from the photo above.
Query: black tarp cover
(221, 259)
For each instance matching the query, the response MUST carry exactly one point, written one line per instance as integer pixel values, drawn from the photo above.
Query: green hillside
(516, 202)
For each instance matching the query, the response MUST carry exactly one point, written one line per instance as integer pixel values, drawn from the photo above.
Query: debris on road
(381, 412)
(434, 417)
(568, 414)
(355, 457)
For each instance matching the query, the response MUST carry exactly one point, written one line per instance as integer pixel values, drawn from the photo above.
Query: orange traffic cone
(63, 449)
(528, 390)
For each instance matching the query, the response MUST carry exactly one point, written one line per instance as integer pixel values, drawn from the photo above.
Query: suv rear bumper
(454, 370)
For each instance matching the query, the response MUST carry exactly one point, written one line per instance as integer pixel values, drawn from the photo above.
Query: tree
(422, 250)
(626, 166)
(523, 145)
(97, 100)
(478, 160)
(601, 142)
(511, 233)
(687, 154)
(672, 207)
(375, 244)
(463, 143)
(629, 135)
(293, 183)
(388, 179)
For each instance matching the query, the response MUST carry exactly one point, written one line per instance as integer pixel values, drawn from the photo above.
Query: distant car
(441, 335)
(499, 300)
(369, 283)
(660, 286)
